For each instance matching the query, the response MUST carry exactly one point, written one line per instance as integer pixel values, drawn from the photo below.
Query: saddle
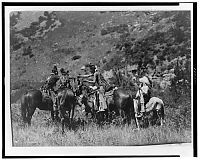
(151, 105)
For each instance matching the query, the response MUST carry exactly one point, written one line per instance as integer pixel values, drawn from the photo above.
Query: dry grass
(44, 132)
(50, 135)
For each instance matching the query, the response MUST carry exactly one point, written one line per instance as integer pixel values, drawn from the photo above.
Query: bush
(177, 108)
(104, 32)
(181, 83)
(76, 57)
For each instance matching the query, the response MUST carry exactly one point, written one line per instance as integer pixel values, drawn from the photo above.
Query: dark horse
(122, 103)
(66, 103)
(32, 100)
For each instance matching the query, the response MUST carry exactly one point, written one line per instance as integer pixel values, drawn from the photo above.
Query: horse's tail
(24, 106)
(162, 111)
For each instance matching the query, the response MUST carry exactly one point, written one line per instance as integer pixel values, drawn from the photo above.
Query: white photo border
(87, 151)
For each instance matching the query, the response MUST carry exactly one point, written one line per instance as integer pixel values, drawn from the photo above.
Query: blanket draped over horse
(155, 105)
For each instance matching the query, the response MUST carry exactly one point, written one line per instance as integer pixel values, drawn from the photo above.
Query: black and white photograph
(99, 78)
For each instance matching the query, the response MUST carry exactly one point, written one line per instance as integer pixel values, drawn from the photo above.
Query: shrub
(104, 32)
(76, 57)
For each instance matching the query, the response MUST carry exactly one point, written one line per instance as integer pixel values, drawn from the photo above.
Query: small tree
(181, 83)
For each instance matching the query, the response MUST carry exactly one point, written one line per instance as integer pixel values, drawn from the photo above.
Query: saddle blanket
(150, 105)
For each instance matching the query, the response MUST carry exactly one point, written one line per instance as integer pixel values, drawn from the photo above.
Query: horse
(118, 101)
(34, 99)
(87, 96)
(66, 102)
(122, 104)
(154, 112)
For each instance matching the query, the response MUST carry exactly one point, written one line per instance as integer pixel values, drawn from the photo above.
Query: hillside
(157, 41)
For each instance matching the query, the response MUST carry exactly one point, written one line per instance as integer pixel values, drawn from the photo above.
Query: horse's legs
(62, 116)
(107, 115)
(56, 108)
(98, 117)
(161, 116)
(161, 121)
(160, 113)
(137, 122)
(24, 112)
(128, 117)
(71, 115)
(52, 115)
(122, 115)
(63, 124)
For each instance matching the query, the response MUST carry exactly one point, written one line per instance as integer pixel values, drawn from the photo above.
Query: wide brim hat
(83, 68)
(64, 72)
(144, 80)
(55, 67)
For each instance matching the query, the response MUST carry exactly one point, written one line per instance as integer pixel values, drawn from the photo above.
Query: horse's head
(82, 89)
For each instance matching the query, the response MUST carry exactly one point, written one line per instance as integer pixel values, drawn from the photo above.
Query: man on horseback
(96, 84)
(144, 93)
(51, 84)
(52, 80)
(64, 80)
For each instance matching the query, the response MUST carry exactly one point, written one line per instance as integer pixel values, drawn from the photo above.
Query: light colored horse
(154, 105)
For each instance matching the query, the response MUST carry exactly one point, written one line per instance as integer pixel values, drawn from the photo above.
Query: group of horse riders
(98, 84)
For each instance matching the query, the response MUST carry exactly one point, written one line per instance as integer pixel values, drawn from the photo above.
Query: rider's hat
(55, 70)
(83, 68)
(63, 72)
(96, 68)
(55, 66)
(145, 80)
